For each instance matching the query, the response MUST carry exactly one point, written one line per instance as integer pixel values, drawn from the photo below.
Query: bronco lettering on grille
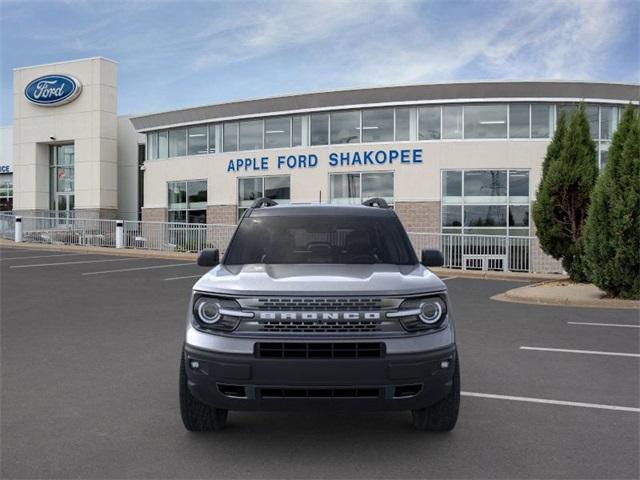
(319, 316)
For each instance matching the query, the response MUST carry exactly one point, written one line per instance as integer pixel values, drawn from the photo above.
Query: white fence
(467, 252)
(488, 252)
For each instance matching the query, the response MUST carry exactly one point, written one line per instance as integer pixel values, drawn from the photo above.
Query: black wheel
(198, 416)
(442, 416)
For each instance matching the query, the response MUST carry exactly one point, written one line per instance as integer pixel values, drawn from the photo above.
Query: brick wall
(154, 214)
(419, 216)
(222, 214)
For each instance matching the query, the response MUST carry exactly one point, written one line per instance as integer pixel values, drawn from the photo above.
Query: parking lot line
(42, 256)
(605, 324)
(589, 352)
(551, 402)
(74, 263)
(182, 278)
(152, 267)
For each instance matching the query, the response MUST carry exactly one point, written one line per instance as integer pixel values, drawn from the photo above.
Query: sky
(176, 54)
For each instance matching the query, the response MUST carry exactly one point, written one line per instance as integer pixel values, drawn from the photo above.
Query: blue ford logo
(53, 90)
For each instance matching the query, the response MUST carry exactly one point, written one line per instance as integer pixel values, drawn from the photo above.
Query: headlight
(213, 313)
(208, 310)
(421, 313)
(431, 311)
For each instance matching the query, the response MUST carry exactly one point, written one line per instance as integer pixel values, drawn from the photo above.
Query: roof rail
(376, 202)
(264, 202)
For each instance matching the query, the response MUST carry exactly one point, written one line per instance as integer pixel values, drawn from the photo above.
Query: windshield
(341, 239)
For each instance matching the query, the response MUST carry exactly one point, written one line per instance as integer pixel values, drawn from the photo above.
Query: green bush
(569, 174)
(612, 233)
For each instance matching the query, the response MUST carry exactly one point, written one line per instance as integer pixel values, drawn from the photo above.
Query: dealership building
(460, 157)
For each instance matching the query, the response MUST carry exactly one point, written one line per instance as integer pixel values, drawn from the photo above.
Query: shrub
(560, 211)
(612, 233)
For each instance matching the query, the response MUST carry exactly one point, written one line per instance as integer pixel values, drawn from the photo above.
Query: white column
(18, 230)
(119, 234)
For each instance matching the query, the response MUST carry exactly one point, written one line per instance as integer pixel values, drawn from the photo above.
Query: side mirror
(432, 258)
(209, 257)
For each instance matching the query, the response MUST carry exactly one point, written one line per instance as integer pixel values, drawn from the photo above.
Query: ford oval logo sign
(53, 90)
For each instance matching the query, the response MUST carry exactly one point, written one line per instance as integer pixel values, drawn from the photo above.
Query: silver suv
(319, 306)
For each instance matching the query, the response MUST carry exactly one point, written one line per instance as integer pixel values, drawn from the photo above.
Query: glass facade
(187, 201)
(276, 188)
(61, 179)
(377, 125)
(6, 192)
(486, 202)
(345, 127)
(485, 121)
(354, 188)
(383, 124)
(429, 123)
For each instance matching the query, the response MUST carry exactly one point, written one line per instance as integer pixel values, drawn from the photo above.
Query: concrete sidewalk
(567, 293)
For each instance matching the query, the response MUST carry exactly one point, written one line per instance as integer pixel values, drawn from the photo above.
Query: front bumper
(393, 382)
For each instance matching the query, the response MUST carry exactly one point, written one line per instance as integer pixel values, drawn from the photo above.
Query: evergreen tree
(612, 233)
(563, 197)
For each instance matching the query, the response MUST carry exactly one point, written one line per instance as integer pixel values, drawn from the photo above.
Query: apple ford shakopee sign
(53, 90)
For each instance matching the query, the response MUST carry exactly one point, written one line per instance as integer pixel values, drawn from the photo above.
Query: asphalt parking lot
(90, 351)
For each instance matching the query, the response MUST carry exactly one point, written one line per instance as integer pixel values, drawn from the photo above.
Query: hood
(377, 279)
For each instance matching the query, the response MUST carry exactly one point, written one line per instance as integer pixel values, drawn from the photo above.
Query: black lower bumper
(394, 382)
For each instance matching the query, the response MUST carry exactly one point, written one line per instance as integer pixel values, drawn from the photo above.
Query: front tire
(198, 416)
(442, 416)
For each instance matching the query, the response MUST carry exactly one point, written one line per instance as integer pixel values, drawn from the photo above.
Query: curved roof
(389, 95)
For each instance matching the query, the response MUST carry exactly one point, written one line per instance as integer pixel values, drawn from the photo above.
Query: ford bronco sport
(319, 306)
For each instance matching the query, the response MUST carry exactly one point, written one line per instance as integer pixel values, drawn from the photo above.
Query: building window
(251, 135)
(519, 120)
(608, 122)
(296, 131)
(487, 202)
(6, 192)
(163, 144)
(152, 146)
(377, 125)
(403, 124)
(354, 188)
(230, 137)
(178, 142)
(250, 189)
(188, 201)
(320, 129)
(592, 112)
(197, 140)
(61, 179)
(485, 121)
(541, 120)
(429, 123)
(452, 121)
(212, 138)
(277, 132)
(345, 127)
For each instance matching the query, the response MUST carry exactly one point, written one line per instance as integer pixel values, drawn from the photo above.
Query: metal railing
(7, 226)
(180, 237)
(467, 252)
(488, 252)
(69, 231)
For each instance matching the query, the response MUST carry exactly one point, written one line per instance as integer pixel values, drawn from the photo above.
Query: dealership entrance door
(61, 181)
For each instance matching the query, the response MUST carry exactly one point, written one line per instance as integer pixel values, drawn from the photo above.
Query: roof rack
(264, 202)
(376, 202)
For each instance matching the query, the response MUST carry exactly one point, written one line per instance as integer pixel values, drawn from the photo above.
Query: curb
(124, 252)
(513, 296)
(507, 276)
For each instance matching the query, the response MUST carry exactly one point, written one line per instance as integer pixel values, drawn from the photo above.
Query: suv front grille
(319, 326)
(320, 350)
(319, 304)
(336, 392)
